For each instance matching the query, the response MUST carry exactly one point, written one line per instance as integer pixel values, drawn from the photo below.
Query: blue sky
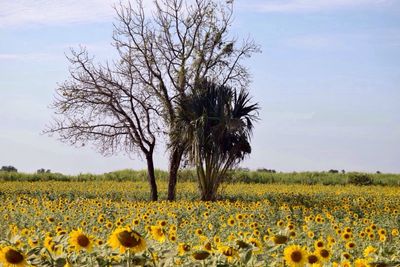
(328, 82)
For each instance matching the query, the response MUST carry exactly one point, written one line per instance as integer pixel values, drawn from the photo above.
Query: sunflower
(52, 246)
(258, 247)
(361, 263)
(310, 234)
(50, 219)
(350, 245)
(183, 248)
(324, 254)
(319, 244)
(78, 240)
(313, 259)
(157, 233)
(207, 246)
(345, 264)
(109, 225)
(136, 221)
(239, 217)
(231, 221)
(126, 238)
(369, 250)
(198, 232)
(346, 255)
(280, 223)
(172, 237)
(200, 255)
(395, 232)
(229, 252)
(33, 242)
(279, 239)
(162, 223)
(295, 256)
(11, 257)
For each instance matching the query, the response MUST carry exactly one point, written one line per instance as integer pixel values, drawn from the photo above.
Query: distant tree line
(8, 169)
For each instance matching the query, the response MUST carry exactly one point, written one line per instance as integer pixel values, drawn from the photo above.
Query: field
(237, 176)
(105, 223)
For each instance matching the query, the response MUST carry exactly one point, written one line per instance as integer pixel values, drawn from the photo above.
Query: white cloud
(39, 12)
(308, 5)
(55, 12)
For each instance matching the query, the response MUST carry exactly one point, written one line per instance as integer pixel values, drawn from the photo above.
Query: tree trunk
(208, 194)
(151, 178)
(174, 162)
(209, 190)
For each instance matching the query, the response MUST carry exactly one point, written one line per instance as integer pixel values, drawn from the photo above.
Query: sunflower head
(183, 248)
(157, 233)
(324, 254)
(295, 256)
(313, 259)
(200, 255)
(257, 245)
(126, 238)
(369, 250)
(11, 257)
(229, 252)
(78, 240)
(279, 239)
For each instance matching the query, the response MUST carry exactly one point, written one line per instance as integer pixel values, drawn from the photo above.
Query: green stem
(51, 257)
(129, 258)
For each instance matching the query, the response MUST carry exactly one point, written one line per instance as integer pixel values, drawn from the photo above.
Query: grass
(238, 176)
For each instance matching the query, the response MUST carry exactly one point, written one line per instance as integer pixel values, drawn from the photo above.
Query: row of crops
(109, 224)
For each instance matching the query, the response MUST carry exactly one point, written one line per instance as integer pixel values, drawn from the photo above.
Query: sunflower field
(109, 223)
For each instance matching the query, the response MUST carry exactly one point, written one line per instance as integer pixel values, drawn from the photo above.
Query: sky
(327, 81)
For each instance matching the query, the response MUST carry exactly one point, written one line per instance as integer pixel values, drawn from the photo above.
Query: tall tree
(180, 44)
(105, 105)
(215, 125)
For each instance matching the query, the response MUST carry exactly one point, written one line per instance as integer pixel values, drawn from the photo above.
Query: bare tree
(181, 43)
(107, 106)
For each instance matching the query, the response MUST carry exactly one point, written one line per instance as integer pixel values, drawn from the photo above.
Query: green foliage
(8, 169)
(237, 176)
(360, 179)
(214, 124)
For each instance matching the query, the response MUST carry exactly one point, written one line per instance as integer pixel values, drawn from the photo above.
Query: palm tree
(214, 125)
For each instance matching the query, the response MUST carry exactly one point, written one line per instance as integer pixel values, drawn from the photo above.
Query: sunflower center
(324, 253)
(128, 239)
(280, 239)
(201, 255)
(13, 256)
(312, 259)
(228, 252)
(296, 256)
(83, 241)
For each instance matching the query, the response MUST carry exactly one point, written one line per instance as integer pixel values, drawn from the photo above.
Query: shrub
(360, 179)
